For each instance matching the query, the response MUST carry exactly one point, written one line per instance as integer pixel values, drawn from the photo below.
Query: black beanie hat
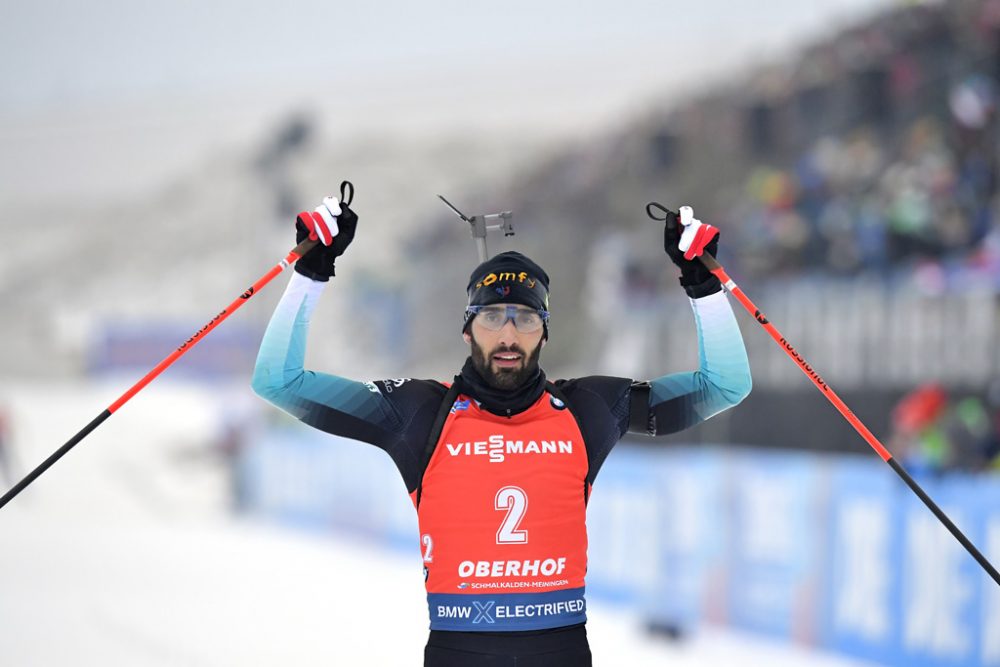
(509, 277)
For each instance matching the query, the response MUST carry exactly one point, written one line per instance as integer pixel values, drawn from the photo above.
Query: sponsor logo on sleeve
(387, 386)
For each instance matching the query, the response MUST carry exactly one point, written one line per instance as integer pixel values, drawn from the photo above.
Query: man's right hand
(333, 225)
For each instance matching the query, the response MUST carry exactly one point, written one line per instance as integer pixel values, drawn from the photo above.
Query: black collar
(503, 402)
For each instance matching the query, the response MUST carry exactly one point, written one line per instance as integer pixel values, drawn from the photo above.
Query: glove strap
(710, 285)
(312, 275)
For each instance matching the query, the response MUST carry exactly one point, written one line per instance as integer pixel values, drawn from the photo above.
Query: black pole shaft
(943, 518)
(56, 455)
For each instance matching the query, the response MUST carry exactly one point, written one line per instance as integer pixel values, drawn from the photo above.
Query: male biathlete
(500, 461)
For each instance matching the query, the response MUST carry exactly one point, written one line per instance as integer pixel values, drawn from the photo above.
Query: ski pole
(716, 268)
(293, 255)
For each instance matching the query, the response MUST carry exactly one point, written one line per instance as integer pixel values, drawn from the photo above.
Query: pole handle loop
(347, 192)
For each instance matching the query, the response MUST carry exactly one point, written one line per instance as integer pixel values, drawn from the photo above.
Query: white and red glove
(332, 225)
(322, 222)
(696, 235)
(685, 238)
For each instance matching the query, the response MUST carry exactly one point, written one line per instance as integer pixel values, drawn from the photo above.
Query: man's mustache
(512, 348)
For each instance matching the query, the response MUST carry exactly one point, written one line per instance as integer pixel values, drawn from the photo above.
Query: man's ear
(467, 337)
(544, 341)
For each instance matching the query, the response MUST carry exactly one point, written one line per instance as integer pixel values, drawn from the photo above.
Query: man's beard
(505, 378)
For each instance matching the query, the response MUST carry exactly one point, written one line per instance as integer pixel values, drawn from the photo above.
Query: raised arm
(334, 404)
(681, 400)
(329, 402)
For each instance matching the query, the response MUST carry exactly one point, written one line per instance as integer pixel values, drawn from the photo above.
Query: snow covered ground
(124, 554)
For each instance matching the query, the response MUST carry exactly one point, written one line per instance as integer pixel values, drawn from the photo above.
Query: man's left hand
(685, 238)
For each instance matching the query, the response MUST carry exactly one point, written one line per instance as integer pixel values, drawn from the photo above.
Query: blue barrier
(823, 550)
(857, 614)
(688, 584)
(774, 556)
(943, 620)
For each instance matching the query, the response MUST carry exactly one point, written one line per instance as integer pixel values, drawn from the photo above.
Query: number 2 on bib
(515, 501)
(428, 543)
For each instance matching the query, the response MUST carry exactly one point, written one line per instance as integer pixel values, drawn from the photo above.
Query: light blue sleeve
(681, 400)
(334, 404)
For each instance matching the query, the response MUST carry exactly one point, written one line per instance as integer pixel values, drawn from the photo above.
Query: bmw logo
(557, 404)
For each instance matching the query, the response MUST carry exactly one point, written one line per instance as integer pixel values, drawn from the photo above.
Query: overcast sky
(55, 52)
(109, 79)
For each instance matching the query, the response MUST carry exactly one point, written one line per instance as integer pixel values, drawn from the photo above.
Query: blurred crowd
(875, 150)
(934, 431)
(858, 203)
(877, 154)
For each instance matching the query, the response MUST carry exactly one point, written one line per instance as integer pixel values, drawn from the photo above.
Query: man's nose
(508, 333)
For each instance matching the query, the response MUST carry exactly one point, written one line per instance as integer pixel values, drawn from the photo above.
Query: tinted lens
(527, 321)
(495, 317)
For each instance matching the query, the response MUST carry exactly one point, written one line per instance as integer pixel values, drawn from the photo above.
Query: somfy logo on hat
(508, 276)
